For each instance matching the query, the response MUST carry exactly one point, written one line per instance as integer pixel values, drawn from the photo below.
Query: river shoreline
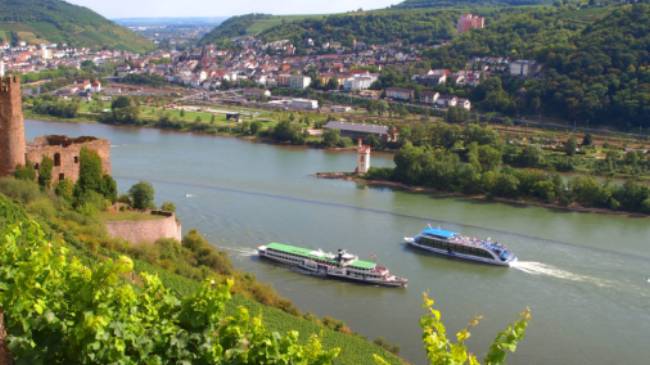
(348, 176)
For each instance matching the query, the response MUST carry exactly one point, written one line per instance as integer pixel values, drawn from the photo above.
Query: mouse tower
(12, 128)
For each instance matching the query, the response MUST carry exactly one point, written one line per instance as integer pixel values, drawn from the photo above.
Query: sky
(213, 8)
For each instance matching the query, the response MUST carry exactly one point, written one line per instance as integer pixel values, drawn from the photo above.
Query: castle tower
(363, 158)
(12, 128)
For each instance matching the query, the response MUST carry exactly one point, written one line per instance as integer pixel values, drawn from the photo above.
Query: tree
(570, 146)
(142, 195)
(331, 137)
(255, 127)
(109, 188)
(91, 178)
(287, 131)
(168, 207)
(125, 110)
(587, 140)
(45, 172)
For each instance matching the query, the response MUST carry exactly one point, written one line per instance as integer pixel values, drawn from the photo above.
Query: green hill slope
(382, 26)
(56, 21)
(84, 238)
(410, 4)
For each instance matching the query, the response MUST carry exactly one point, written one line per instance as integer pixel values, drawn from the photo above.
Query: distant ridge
(409, 4)
(56, 21)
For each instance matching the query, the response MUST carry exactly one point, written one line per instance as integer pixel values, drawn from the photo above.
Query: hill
(595, 63)
(249, 25)
(57, 21)
(411, 4)
(181, 269)
(381, 26)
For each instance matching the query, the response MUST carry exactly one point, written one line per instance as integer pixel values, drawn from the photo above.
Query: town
(268, 74)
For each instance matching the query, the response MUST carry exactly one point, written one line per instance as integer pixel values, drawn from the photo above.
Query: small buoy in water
(188, 195)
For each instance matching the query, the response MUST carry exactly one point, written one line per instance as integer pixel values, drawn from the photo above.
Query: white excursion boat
(452, 244)
(341, 265)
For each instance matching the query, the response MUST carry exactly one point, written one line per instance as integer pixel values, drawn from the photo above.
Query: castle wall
(12, 129)
(146, 231)
(66, 157)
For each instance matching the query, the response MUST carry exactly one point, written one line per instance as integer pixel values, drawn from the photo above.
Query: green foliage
(288, 131)
(58, 310)
(595, 63)
(26, 172)
(65, 190)
(451, 3)
(124, 110)
(61, 22)
(441, 350)
(331, 137)
(474, 160)
(142, 195)
(19, 190)
(45, 172)
(374, 27)
(570, 146)
(168, 207)
(90, 175)
(49, 105)
(233, 27)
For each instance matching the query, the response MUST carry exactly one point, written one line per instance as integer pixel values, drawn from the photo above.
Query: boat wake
(241, 251)
(538, 268)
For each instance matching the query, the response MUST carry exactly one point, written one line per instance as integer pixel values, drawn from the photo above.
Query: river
(585, 276)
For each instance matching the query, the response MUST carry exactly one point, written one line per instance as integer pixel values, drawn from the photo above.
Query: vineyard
(60, 304)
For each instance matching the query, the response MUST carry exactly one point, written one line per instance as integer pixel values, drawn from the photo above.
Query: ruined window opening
(36, 166)
(76, 159)
(57, 159)
(61, 177)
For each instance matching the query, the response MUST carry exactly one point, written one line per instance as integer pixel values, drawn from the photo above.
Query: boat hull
(307, 269)
(455, 255)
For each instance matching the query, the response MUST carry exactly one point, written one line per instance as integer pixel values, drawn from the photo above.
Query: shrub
(26, 172)
(168, 207)
(142, 195)
(19, 190)
(45, 173)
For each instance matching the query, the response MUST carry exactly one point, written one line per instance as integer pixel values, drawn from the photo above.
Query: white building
(306, 104)
(2, 68)
(359, 82)
(299, 82)
(523, 68)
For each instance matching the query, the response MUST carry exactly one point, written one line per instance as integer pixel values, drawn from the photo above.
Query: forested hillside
(451, 3)
(595, 63)
(56, 21)
(373, 27)
(422, 27)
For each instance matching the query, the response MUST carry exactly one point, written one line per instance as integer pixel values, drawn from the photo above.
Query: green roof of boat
(305, 252)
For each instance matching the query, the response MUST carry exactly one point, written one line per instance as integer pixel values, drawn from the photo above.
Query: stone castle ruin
(64, 151)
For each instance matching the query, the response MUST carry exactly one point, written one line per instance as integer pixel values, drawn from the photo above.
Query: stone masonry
(64, 151)
(12, 129)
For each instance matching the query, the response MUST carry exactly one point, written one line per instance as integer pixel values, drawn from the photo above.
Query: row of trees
(49, 105)
(481, 173)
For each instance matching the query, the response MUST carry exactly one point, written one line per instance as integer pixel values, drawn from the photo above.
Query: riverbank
(348, 176)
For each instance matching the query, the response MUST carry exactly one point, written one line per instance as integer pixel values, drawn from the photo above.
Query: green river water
(586, 277)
